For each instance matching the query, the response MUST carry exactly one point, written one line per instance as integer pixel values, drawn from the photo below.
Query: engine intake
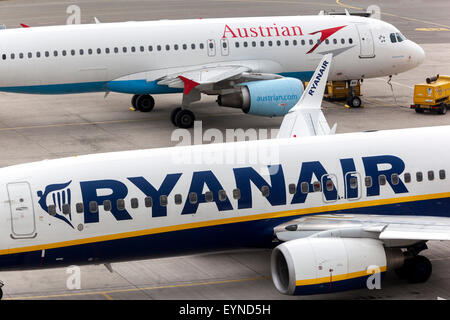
(324, 265)
(268, 98)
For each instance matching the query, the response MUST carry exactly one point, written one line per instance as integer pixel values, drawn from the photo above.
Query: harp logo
(53, 199)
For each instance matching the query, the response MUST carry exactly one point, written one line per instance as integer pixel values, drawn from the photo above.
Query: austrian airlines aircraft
(251, 63)
(341, 208)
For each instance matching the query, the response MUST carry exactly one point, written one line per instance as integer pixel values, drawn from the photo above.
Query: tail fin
(306, 117)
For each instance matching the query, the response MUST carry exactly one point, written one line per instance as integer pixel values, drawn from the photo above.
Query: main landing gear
(416, 268)
(182, 118)
(143, 102)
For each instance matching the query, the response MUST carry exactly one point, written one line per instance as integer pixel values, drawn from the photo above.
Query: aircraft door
(329, 187)
(367, 47)
(352, 185)
(211, 48)
(224, 47)
(23, 222)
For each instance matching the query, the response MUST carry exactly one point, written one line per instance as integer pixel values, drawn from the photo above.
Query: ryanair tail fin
(306, 117)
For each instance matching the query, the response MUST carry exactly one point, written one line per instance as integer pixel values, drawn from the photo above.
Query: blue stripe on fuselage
(121, 86)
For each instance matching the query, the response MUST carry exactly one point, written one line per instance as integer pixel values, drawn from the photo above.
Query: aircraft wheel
(173, 115)
(354, 102)
(1, 293)
(133, 101)
(145, 103)
(184, 119)
(417, 269)
(419, 110)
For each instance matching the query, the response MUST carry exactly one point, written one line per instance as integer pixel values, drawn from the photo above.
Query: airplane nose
(418, 54)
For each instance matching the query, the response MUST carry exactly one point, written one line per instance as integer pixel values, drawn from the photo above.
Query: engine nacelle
(270, 98)
(324, 265)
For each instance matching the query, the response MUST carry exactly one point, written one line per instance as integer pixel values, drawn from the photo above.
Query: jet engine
(270, 98)
(322, 265)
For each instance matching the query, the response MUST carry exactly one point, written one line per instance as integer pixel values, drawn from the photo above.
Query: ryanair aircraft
(255, 64)
(336, 208)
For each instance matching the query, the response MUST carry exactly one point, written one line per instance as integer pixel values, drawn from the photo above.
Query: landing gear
(417, 269)
(1, 291)
(143, 102)
(182, 118)
(354, 102)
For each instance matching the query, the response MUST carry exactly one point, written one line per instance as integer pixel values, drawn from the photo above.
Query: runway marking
(106, 293)
(432, 29)
(394, 15)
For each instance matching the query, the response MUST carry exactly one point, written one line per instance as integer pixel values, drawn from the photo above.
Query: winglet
(24, 25)
(306, 117)
(188, 84)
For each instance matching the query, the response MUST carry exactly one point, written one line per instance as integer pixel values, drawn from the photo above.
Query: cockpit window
(400, 37)
(393, 38)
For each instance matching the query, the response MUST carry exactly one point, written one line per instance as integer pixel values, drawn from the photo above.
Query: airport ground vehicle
(434, 95)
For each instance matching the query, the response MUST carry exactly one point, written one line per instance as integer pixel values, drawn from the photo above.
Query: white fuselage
(75, 58)
(54, 211)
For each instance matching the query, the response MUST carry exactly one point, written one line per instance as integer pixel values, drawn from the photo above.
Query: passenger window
(270, 43)
(158, 47)
(222, 195)
(245, 44)
(99, 50)
(236, 194)
(89, 51)
(303, 42)
(55, 53)
(393, 38)
(142, 48)
(178, 199)
(327, 41)
(304, 187)
(265, 191)
(430, 175)
(21, 55)
(148, 202)
(278, 43)
(52, 210)
(167, 47)
(253, 43)
(116, 50)
(208, 196)
(4, 56)
(120, 204)
(286, 42)
(64, 53)
(66, 208)
(407, 177)
(311, 42)
(107, 50)
(353, 181)
(133, 49)
(343, 41)
(335, 41)
(72, 52)
(236, 44)
(202, 46)
(193, 197)
(150, 48)
(294, 42)
(13, 56)
(382, 180)
(316, 186)
(81, 52)
(79, 207)
(134, 203)
(163, 200)
(93, 207)
(442, 174)
(350, 40)
(30, 55)
(38, 55)
(368, 181)
(262, 43)
(107, 205)
(193, 46)
(419, 176)
(184, 46)
(330, 186)
(175, 47)
(292, 188)
(395, 179)
(47, 53)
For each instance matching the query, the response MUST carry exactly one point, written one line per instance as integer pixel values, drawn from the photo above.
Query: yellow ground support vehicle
(434, 95)
(344, 90)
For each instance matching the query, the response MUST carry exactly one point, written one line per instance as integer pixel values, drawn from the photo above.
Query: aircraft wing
(390, 229)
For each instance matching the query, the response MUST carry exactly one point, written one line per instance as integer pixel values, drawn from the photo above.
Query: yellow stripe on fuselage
(334, 278)
(247, 218)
